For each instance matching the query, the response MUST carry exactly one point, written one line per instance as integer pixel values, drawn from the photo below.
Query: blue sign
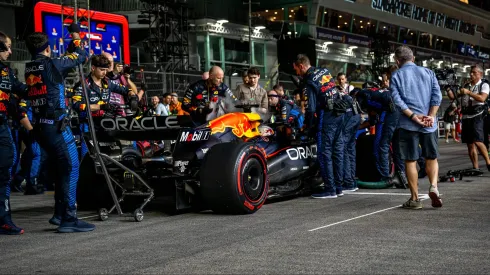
(104, 37)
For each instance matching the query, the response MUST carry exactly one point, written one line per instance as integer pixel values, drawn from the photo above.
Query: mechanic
(352, 120)
(16, 185)
(378, 104)
(251, 93)
(285, 111)
(199, 95)
(100, 89)
(280, 91)
(46, 95)
(9, 86)
(324, 100)
(31, 157)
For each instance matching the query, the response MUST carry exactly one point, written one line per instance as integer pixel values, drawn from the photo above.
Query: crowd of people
(402, 107)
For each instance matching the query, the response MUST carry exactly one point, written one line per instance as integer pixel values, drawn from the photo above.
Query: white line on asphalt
(422, 197)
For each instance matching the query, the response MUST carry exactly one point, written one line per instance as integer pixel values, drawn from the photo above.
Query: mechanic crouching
(285, 111)
(324, 100)
(378, 104)
(51, 118)
(99, 88)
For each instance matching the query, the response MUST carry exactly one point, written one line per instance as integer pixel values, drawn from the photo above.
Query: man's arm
(133, 87)
(18, 88)
(480, 97)
(71, 59)
(264, 104)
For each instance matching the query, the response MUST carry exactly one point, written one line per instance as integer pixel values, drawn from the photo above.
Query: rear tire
(234, 178)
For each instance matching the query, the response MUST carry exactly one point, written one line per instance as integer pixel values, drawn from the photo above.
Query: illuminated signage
(417, 13)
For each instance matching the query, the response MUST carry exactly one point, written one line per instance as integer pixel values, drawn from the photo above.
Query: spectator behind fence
(167, 98)
(176, 106)
(416, 92)
(474, 110)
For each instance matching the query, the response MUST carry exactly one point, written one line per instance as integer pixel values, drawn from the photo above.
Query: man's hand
(428, 121)
(464, 91)
(420, 120)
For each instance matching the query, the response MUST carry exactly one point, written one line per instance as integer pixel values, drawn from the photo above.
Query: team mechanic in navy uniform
(378, 103)
(51, 119)
(285, 110)
(9, 87)
(201, 93)
(324, 100)
(350, 125)
(100, 88)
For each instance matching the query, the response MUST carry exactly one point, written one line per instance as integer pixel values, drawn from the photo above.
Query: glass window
(364, 26)
(336, 20)
(457, 46)
(321, 12)
(200, 46)
(214, 48)
(388, 30)
(236, 51)
(443, 44)
(270, 15)
(358, 73)
(408, 36)
(344, 21)
(298, 13)
(259, 54)
(426, 40)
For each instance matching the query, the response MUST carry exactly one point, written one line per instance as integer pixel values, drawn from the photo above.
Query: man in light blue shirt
(416, 93)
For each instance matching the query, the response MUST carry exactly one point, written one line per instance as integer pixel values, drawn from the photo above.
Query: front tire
(234, 178)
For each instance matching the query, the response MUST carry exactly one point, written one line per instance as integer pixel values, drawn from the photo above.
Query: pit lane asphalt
(453, 239)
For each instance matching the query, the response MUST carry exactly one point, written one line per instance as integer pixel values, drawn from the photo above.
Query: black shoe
(33, 190)
(7, 227)
(75, 226)
(17, 187)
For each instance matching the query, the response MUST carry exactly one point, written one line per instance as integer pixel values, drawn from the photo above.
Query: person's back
(416, 86)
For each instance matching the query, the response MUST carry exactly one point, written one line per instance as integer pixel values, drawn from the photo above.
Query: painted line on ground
(424, 196)
(362, 216)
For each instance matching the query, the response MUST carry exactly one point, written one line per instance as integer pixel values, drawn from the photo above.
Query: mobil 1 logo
(190, 136)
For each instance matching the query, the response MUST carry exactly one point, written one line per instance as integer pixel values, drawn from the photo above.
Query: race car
(232, 164)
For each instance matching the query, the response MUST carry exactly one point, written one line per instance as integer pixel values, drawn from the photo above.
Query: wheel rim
(253, 179)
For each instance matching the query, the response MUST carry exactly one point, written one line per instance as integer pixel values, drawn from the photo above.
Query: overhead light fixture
(289, 33)
(340, 16)
(274, 18)
(260, 27)
(345, 23)
(369, 23)
(290, 16)
(362, 27)
(275, 12)
(266, 10)
(325, 12)
(222, 21)
(411, 33)
(360, 21)
(234, 74)
(282, 8)
(384, 27)
(300, 6)
(338, 27)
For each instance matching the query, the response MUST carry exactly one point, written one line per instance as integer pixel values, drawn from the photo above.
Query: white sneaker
(447, 141)
(434, 196)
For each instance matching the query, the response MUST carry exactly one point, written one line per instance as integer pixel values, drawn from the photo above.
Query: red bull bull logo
(4, 73)
(241, 124)
(4, 96)
(325, 79)
(33, 80)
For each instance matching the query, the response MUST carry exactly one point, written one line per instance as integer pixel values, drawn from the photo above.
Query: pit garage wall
(363, 8)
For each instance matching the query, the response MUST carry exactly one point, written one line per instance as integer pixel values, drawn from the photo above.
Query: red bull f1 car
(231, 164)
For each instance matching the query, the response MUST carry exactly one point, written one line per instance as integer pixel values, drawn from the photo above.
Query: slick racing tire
(92, 190)
(366, 169)
(234, 178)
(372, 185)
